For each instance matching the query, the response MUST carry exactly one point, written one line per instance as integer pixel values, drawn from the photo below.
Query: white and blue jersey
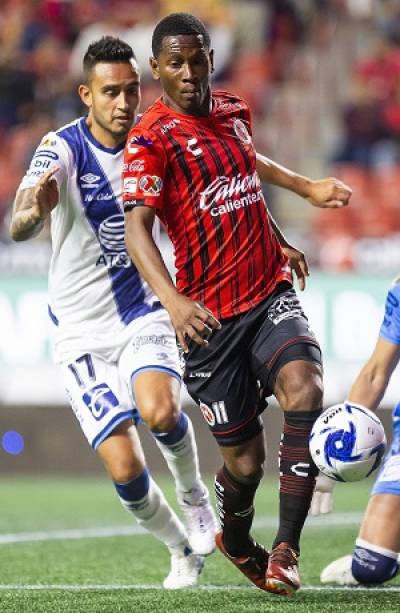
(109, 326)
(95, 291)
(388, 480)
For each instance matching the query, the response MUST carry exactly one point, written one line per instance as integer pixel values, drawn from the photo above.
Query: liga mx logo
(150, 185)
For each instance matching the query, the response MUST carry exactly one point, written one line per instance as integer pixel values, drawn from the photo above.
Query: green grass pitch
(63, 549)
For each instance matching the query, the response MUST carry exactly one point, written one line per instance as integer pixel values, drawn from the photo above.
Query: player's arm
(32, 206)
(324, 193)
(190, 319)
(297, 259)
(371, 383)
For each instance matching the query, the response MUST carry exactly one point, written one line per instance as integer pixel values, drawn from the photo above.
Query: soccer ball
(347, 442)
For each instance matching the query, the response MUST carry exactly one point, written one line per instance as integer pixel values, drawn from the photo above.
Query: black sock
(297, 476)
(236, 511)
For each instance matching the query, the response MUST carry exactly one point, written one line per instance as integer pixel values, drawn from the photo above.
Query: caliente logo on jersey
(225, 194)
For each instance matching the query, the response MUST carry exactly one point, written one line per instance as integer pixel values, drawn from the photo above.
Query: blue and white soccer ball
(347, 442)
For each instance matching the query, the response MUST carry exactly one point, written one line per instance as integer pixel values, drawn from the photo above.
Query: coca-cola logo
(135, 166)
(223, 188)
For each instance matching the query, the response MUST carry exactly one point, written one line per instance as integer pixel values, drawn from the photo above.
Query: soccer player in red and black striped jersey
(191, 161)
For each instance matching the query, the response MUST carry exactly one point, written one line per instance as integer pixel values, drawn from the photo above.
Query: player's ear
(154, 68)
(85, 95)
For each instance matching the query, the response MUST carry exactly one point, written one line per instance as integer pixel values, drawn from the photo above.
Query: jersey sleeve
(144, 169)
(247, 118)
(390, 328)
(50, 152)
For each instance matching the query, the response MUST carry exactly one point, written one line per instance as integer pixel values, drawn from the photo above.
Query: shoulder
(71, 133)
(53, 148)
(394, 290)
(151, 118)
(145, 137)
(229, 102)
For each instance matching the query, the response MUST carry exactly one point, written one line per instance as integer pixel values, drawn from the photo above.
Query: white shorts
(100, 391)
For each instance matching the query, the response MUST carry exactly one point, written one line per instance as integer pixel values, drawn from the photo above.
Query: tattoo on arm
(25, 222)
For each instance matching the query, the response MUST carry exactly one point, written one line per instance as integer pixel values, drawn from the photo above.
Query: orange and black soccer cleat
(282, 575)
(253, 565)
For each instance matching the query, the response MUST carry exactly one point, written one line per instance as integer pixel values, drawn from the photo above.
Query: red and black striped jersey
(199, 174)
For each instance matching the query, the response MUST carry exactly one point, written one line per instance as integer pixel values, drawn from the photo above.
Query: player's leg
(236, 484)
(157, 396)
(291, 368)
(375, 558)
(101, 402)
(298, 390)
(122, 455)
(150, 364)
(123, 458)
(219, 381)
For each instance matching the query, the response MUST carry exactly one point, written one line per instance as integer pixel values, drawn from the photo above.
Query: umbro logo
(89, 180)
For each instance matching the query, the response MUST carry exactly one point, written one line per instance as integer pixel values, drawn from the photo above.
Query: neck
(202, 111)
(104, 137)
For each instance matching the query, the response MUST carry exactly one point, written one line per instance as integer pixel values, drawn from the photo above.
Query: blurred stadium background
(323, 80)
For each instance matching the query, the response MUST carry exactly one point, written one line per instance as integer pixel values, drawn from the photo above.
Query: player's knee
(301, 390)
(124, 470)
(161, 416)
(369, 566)
(246, 471)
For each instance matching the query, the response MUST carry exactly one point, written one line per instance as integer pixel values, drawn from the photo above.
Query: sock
(236, 511)
(372, 564)
(297, 474)
(178, 446)
(143, 498)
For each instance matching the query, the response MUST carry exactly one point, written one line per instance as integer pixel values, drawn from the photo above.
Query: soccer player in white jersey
(376, 556)
(113, 339)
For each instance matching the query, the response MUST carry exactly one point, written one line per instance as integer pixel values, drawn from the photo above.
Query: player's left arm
(324, 193)
(297, 259)
(371, 383)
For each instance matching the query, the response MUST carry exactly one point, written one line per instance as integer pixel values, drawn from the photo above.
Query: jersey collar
(95, 142)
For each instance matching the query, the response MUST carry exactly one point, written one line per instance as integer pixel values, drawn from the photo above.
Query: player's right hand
(191, 320)
(298, 264)
(46, 194)
(322, 500)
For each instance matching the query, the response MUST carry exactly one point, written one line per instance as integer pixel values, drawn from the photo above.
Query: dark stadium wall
(54, 443)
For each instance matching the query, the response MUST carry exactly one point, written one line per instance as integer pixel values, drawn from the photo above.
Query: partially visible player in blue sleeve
(375, 558)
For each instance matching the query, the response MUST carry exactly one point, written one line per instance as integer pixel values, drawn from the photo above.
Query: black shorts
(239, 366)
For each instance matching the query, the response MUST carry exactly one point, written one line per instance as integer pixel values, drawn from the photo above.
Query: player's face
(184, 66)
(113, 98)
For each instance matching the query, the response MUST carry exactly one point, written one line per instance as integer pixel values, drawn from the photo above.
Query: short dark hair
(107, 49)
(177, 24)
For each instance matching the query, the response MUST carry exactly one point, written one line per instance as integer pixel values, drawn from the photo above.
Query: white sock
(154, 514)
(182, 460)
